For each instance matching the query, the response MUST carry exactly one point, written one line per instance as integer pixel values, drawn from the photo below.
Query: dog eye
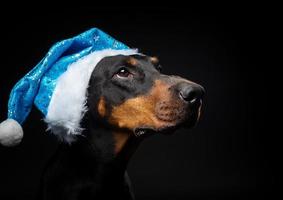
(123, 73)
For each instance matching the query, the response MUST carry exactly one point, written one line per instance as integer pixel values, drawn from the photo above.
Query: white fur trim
(11, 132)
(68, 102)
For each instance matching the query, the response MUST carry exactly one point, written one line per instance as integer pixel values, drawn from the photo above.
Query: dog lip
(170, 128)
(143, 131)
(146, 131)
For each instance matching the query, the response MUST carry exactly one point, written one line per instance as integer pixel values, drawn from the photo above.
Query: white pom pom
(11, 132)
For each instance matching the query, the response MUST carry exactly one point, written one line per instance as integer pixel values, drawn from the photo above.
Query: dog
(128, 100)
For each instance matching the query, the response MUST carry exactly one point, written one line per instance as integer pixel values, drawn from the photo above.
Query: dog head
(130, 93)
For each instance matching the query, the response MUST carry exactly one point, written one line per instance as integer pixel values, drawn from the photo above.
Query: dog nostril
(188, 95)
(191, 93)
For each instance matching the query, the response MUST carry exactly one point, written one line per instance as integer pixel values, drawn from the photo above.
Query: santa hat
(57, 86)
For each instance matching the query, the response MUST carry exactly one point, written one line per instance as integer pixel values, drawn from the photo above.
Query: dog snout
(190, 93)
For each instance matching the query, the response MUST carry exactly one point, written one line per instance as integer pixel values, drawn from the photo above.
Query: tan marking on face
(132, 61)
(154, 60)
(140, 111)
(120, 139)
(101, 107)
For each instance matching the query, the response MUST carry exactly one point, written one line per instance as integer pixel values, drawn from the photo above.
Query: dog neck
(115, 147)
(99, 157)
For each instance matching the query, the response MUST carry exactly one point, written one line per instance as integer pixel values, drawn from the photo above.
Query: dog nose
(191, 93)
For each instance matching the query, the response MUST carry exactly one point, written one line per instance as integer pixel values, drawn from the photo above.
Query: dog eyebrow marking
(132, 61)
(101, 107)
(154, 60)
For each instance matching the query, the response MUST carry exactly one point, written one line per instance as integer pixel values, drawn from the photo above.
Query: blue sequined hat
(51, 87)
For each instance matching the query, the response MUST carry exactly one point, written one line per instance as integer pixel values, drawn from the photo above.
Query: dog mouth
(173, 120)
(147, 131)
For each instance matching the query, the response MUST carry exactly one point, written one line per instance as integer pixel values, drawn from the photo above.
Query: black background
(228, 155)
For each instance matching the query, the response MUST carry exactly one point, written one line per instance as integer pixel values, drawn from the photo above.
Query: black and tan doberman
(128, 100)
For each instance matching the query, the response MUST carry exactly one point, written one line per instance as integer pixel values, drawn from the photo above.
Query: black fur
(89, 169)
